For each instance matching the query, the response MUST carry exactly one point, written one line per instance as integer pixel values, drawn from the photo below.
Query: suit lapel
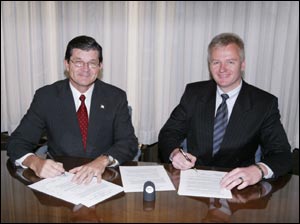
(68, 106)
(238, 120)
(208, 102)
(97, 111)
(206, 113)
(68, 111)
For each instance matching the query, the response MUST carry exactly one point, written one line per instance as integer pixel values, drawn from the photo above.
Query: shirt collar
(77, 94)
(231, 93)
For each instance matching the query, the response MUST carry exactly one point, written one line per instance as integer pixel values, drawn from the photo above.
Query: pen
(51, 157)
(185, 155)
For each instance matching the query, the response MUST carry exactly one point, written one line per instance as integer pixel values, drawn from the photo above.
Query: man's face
(83, 68)
(226, 66)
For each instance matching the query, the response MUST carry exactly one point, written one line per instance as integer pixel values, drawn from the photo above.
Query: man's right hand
(180, 162)
(44, 168)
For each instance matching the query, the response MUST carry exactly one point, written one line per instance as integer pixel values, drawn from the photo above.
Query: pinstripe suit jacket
(255, 120)
(53, 109)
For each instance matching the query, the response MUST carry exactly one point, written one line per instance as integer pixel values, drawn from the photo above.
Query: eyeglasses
(80, 64)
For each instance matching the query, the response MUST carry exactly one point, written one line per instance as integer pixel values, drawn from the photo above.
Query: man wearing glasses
(82, 116)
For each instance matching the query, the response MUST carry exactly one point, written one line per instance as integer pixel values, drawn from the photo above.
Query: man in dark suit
(252, 120)
(109, 134)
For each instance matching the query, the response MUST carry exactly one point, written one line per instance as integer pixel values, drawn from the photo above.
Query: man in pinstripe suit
(253, 120)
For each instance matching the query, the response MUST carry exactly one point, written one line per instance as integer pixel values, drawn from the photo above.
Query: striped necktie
(220, 124)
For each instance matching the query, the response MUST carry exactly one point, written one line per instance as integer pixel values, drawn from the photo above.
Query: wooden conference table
(20, 203)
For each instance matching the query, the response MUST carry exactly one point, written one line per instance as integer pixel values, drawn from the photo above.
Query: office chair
(295, 155)
(138, 155)
(4, 139)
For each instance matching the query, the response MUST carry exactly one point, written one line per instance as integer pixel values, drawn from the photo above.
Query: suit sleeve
(275, 145)
(125, 142)
(26, 136)
(174, 131)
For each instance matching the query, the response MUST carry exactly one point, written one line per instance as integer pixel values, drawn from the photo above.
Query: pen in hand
(51, 157)
(185, 155)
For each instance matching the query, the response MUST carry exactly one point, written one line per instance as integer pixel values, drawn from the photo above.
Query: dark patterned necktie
(82, 117)
(220, 124)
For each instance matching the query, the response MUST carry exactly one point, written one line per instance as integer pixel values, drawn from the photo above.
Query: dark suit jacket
(255, 120)
(53, 109)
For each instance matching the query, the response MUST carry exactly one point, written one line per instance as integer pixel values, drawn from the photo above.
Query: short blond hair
(225, 39)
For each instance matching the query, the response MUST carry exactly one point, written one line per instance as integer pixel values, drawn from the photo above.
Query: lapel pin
(102, 106)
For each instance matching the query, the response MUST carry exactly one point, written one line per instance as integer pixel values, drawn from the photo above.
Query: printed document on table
(134, 177)
(85, 194)
(202, 183)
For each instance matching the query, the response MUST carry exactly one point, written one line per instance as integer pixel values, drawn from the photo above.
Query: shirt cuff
(19, 162)
(270, 172)
(114, 163)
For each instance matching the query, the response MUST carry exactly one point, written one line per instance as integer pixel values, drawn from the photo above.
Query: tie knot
(224, 97)
(82, 98)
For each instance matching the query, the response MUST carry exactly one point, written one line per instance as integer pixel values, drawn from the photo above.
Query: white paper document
(134, 177)
(202, 183)
(85, 194)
